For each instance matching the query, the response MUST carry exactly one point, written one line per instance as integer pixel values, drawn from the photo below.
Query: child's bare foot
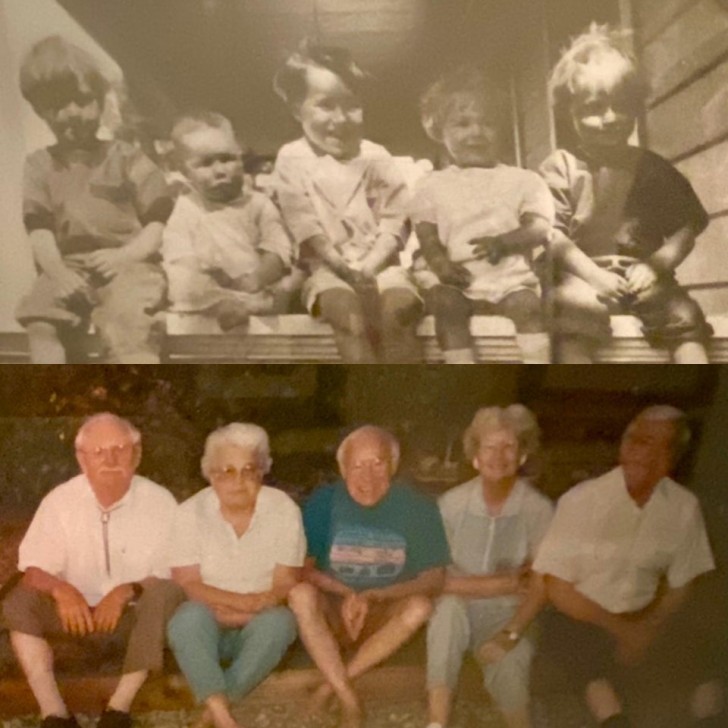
(320, 700)
(204, 720)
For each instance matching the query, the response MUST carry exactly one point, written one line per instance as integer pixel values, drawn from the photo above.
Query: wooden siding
(683, 49)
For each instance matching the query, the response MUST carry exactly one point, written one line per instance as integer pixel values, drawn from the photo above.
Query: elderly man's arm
(323, 581)
(484, 586)
(73, 610)
(428, 583)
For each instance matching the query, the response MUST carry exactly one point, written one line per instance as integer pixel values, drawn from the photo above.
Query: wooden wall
(683, 48)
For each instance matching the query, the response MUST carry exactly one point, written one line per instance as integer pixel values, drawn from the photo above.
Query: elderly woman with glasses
(494, 524)
(237, 550)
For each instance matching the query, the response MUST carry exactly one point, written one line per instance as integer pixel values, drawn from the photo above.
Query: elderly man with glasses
(94, 563)
(237, 550)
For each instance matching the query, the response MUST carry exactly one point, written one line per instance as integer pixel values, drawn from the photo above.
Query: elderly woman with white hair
(494, 524)
(237, 550)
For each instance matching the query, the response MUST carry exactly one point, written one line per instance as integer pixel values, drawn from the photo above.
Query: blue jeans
(231, 661)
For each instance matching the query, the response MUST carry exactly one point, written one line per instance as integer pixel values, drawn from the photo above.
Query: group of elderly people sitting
(232, 575)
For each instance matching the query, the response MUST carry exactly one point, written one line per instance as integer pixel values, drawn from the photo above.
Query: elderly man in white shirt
(620, 557)
(94, 563)
(237, 550)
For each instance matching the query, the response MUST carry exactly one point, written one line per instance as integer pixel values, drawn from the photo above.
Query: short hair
(516, 417)
(89, 422)
(385, 436)
(290, 82)
(239, 434)
(668, 413)
(54, 70)
(441, 96)
(597, 59)
(195, 121)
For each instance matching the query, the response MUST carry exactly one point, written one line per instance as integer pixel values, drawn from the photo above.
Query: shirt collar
(511, 506)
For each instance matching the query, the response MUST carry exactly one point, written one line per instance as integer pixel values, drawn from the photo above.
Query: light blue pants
(217, 659)
(458, 625)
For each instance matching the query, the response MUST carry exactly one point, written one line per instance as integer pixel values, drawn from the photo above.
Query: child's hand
(451, 274)
(610, 287)
(68, 281)
(489, 247)
(641, 278)
(109, 262)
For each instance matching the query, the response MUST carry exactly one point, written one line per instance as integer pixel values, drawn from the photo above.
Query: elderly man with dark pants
(377, 555)
(94, 561)
(238, 548)
(620, 559)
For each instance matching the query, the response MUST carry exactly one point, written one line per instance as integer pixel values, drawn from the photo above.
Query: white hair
(668, 413)
(134, 435)
(368, 430)
(516, 417)
(239, 434)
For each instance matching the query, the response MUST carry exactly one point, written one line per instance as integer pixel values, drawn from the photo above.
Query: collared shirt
(242, 564)
(481, 543)
(68, 538)
(614, 552)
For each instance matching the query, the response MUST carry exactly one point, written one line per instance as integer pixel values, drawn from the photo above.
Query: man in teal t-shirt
(377, 553)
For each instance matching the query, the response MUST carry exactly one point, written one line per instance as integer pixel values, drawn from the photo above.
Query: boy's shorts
(323, 279)
(122, 310)
(669, 316)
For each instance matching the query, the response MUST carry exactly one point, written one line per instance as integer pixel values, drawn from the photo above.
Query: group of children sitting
(600, 230)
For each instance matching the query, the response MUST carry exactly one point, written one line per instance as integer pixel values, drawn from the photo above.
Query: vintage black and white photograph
(363, 181)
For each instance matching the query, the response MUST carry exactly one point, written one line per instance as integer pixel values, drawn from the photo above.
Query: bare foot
(320, 699)
(351, 717)
(204, 721)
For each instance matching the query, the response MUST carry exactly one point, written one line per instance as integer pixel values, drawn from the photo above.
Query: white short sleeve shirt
(242, 564)
(616, 553)
(69, 539)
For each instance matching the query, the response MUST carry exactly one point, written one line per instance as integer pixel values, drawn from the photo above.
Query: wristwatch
(511, 635)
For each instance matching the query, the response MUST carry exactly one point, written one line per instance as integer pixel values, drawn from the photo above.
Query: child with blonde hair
(226, 252)
(478, 222)
(625, 217)
(344, 201)
(94, 211)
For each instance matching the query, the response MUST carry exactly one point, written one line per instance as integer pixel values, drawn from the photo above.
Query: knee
(400, 309)
(346, 316)
(448, 304)
(19, 610)
(416, 610)
(303, 598)
(162, 596)
(277, 626)
(525, 311)
(189, 617)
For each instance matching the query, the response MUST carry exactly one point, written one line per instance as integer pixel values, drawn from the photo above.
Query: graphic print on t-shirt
(365, 557)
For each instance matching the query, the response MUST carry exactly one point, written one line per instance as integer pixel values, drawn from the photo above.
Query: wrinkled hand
(495, 649)
(108, 611)
(73, 610)
(641, 279)
(451, 274)
(489, 247)
(68, 281)
(610, 287)
(354, 610)
(227, 617)
(109, 262)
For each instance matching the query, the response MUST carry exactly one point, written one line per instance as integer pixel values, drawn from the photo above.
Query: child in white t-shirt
(478, 222)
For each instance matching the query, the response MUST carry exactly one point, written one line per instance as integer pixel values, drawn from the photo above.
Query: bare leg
(128, 686)
(603, 702)
(45, 344)
(401, 310)
(452, 313)
(35, 657)
(342, 309)
(307, 604)
(439, 701)
(689, 352)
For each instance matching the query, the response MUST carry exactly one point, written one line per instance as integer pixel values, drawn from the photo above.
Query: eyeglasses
(247, 473)
(112, 451)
